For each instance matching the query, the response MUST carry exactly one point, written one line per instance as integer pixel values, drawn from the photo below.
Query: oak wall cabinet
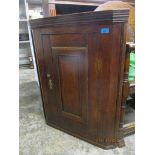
(80, 60)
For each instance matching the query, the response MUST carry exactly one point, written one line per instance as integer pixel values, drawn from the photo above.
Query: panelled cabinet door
(66, 67)
(70, 67)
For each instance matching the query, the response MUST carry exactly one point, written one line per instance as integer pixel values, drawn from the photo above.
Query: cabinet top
(108, 16)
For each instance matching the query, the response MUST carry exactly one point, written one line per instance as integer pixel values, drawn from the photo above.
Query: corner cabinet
(80, 60)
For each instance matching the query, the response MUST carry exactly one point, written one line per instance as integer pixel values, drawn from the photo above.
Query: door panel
(71, 69)
(69, 80)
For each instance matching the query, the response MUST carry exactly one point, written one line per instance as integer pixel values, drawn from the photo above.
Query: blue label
(105, 30)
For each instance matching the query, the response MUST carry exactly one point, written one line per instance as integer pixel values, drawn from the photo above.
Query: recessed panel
(69, 80)
(72, 72)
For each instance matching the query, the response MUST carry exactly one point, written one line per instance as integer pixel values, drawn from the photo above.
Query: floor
(37, 138)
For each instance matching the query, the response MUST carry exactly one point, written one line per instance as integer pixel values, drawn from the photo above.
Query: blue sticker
(105, 30)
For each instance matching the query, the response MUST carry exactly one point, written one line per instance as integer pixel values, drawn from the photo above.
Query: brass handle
(48, 75)
(50, 83)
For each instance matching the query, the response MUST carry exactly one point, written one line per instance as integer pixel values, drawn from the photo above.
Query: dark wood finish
(81, 73)
(71, 71)
(110, 16)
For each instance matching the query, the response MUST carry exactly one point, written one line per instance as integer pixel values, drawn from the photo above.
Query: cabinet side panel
(111, 53)
(93, 83)
(104, 64)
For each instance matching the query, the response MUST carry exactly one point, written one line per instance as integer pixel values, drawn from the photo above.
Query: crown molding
(113, 16)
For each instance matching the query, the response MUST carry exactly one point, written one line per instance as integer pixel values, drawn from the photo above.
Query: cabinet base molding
(119, 144)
